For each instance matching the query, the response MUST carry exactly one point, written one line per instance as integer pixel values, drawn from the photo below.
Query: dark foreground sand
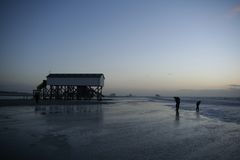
(128, 130)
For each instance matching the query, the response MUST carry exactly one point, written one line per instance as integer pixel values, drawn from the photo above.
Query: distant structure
(112, 95)
(71, 86)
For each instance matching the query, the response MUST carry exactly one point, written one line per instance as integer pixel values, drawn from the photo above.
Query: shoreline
(31, 102)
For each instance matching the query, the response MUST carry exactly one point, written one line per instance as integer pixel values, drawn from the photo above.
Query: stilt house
(71, 86)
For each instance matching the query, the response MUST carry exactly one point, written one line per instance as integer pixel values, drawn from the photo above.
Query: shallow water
(224, 109)
(128, 129)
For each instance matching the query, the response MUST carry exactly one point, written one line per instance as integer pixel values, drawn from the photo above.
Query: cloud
(234, 11)
(234, 86)
(232, 91)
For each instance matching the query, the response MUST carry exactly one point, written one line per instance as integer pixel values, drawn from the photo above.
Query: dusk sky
(143, 47)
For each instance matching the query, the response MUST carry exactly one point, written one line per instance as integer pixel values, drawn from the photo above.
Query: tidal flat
(128, 128)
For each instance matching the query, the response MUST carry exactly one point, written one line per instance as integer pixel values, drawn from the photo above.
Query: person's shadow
(197, 115)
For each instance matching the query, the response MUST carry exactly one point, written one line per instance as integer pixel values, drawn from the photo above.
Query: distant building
(71, 86)
(113, 95)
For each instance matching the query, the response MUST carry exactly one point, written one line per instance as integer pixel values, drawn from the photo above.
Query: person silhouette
(197, 104)
(177, 100)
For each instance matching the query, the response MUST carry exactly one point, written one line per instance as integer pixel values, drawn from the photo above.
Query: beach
(127, 128)
(32, 102)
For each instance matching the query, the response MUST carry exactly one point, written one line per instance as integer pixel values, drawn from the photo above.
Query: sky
(143, 47)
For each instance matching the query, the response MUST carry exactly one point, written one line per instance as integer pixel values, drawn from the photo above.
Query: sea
(15, 97)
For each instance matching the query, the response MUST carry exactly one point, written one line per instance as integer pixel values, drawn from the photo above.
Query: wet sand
(129, 129)
(31, 102)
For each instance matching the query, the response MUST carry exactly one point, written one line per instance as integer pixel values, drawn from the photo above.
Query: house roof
(76, 75)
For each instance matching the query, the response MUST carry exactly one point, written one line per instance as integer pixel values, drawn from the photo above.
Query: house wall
(76, 81)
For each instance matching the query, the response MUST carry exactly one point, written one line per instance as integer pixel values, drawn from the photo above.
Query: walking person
(177, 100)
(197, 104)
